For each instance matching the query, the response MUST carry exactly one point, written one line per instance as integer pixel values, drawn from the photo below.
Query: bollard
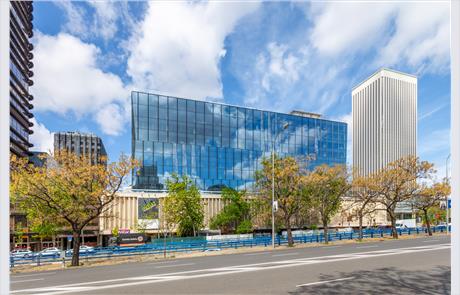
(38, 260)
(372, 234)
(12, 261)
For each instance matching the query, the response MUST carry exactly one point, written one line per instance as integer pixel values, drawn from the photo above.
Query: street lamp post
(447, 197)
(273, 183)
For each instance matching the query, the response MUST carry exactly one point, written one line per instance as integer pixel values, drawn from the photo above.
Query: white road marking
(285, 254)
(324, 282)
(332, 247)
(23, 281)
(162, 262)
(430, 241)
(174, 265)
(210, 272)
(364, 247)
(33, 275)
(259, 253)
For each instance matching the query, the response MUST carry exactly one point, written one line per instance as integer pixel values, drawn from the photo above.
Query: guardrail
(191, 245)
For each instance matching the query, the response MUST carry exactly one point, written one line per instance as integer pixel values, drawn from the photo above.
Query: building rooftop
(305, 114)
(387, 73)
(293, 112)
(77, 133)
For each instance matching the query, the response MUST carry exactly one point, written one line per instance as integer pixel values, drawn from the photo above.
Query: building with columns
(384, 108)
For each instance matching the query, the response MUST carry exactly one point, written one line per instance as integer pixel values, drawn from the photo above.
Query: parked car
(49, 252)
(21, 253)
(83, 250)
(345, 230)
(400, 226)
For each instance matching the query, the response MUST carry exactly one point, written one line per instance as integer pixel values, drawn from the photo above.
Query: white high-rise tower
(384, 111)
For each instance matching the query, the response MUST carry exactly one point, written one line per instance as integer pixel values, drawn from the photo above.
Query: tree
(397, 182)
(235, 216)
(183, 206)
(115, 232)
(68, 190)
(364, 199)
(287, 188)
(428, 198)
(325, 188)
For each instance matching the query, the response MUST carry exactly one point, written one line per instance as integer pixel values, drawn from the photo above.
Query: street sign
(69, 238)
(275, 206)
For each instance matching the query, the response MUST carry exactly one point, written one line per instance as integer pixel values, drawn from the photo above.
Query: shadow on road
(384, 281)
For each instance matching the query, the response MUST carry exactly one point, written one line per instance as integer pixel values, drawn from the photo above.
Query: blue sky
(280, 56)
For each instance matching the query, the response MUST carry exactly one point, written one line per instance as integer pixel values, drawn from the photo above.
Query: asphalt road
(416, 266)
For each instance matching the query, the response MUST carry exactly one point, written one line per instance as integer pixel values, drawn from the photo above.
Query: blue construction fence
(170, 246)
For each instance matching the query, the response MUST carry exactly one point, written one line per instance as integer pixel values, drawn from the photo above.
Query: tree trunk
(76, 248)
(360, 227)
(289, 232)
(394, 232)
(428, 226)
(325, 229)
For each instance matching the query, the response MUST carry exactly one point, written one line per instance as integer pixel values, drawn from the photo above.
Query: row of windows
(239, 117)
(219, 145)
(24, 132)
(146, 152)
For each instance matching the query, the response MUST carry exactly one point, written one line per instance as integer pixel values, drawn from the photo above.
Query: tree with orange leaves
(430, 196)
(68, 190)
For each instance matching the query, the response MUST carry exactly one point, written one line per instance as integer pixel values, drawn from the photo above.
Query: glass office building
(220, 145)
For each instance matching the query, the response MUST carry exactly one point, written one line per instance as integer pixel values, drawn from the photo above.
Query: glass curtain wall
(219, 145)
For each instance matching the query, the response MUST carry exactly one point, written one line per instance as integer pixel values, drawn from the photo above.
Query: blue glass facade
(220, 145)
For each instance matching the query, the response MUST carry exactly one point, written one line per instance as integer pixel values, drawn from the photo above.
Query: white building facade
(384, 109)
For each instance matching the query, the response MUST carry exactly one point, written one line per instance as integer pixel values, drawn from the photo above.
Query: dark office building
(220, 145)
(20, 77)
(85, 144)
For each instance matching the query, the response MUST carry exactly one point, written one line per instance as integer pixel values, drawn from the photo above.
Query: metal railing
(181, 245)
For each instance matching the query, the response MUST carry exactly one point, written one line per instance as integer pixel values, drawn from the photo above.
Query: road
(415, 266)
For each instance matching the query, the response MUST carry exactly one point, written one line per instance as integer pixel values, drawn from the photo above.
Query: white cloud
(68, 79)
(112, 119)
(178, 46)
(279, 64)
(421, 38)
(348, 27)
(105, 18)
(76, 23)
(42, 138)
(415, 34)
(432, 111)
(283, 73)
(94, 19)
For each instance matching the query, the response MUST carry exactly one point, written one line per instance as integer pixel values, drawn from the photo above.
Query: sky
(277, 56)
